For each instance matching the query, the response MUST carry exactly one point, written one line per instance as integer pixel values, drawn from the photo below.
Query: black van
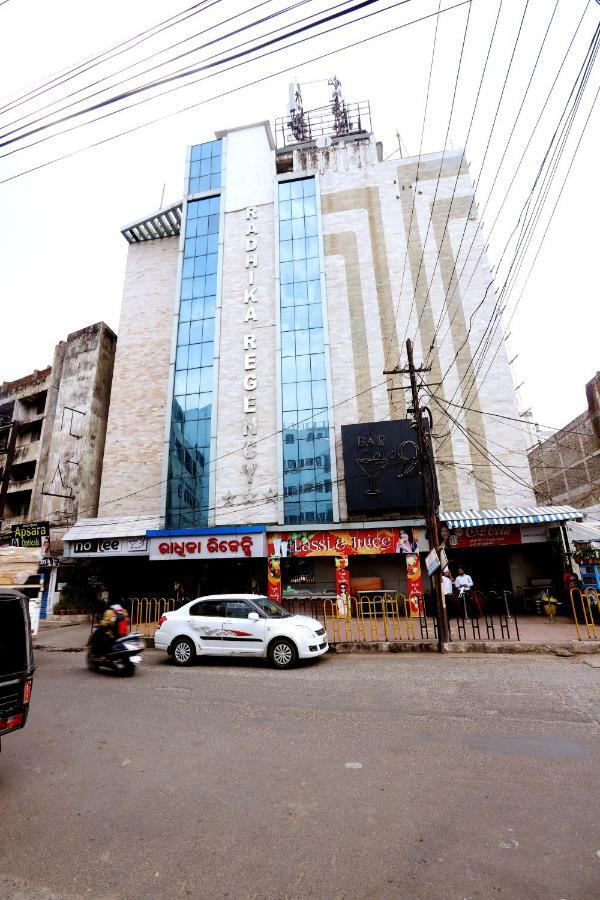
(16, 660)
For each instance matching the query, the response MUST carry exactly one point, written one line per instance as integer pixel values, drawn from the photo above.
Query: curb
(456, 648)
(568, 648)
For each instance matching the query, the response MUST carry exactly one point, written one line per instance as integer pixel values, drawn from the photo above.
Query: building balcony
(27, 452)
(31, 421)
(25, 484)
(14, 520)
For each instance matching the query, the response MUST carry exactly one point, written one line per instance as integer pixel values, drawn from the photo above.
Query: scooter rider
(114, 624)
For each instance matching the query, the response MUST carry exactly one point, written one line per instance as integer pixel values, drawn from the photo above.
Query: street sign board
(432, 561)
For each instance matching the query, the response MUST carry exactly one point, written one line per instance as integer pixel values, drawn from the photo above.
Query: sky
(62, 257)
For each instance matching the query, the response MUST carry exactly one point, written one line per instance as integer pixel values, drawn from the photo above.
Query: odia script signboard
(225, 546)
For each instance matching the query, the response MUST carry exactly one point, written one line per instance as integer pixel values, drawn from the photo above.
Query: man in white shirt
(447, 583)
(463, 580)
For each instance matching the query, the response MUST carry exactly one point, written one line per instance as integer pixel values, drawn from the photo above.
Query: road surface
(385, 776)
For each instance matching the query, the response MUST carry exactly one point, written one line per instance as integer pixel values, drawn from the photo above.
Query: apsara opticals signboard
(218, 546)
(30, 535)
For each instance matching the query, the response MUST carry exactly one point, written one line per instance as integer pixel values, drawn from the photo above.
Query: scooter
(123, 657)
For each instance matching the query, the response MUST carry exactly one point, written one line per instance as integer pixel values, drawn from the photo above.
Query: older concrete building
(259, 317)
(566, 465)
(53, 430)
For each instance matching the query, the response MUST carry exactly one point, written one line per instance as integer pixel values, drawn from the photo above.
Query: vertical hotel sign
(250, 380)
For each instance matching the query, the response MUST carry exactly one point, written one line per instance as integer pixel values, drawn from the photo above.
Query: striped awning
(164, 223)
(524, 515)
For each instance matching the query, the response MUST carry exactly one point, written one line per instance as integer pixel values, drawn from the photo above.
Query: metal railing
(352, 118)
(586, 611)
(483, 617)
(145, 612)
(384, 616)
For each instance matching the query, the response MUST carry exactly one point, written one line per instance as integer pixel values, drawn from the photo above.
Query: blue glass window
(307, 485)
(189, 452)
(205, 168)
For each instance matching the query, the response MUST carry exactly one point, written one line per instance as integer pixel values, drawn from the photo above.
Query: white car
(239, 625)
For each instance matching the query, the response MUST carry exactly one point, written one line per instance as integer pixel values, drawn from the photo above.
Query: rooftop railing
(324, 121)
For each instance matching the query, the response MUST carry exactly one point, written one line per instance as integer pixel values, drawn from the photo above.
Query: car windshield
(271, 610)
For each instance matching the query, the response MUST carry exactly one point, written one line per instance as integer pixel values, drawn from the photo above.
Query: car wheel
(283, 654)
(183, 651)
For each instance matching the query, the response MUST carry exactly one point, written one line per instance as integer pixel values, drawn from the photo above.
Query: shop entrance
(488, 567)
(226, 576)
(525, 570)
(372, 573)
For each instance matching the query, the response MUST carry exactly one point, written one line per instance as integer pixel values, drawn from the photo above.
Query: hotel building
(259, 316)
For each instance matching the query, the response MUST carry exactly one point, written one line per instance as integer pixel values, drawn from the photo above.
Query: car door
(241, 634)
(205, 621)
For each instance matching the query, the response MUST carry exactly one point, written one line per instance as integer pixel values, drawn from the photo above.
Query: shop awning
(524, 515)
(112, 527)
(584, 532)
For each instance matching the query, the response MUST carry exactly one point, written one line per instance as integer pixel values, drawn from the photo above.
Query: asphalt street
(407, 776)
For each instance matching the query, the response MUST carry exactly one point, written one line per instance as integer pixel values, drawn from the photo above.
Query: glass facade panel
(307, 487)
(189, 452)
(205, 170)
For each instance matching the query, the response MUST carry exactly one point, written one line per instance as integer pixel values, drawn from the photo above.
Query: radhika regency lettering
(250, 379)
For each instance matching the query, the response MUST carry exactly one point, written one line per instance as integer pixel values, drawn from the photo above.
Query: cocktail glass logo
(375, 458)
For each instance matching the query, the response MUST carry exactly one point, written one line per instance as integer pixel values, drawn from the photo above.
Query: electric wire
(166, 62)
(483, 450)
(427, 296)
(498, 169)
(186, 73)
(233, 90)
(412, 210)
(526, 229)
(437, 184)
(369, 388)
(547, 225)
(204, 78)
(506, 195)
(69, 73)
(494, 320)
(497, 111)
(513, 418)
(214, 468)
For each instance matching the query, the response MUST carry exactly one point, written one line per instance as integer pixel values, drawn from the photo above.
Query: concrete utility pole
(431, 511)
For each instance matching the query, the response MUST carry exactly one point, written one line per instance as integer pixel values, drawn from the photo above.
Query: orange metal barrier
(379, 617)
(145, 612)
(588, 603)
(382, 616)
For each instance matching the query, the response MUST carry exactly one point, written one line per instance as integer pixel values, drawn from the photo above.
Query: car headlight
(306, 630)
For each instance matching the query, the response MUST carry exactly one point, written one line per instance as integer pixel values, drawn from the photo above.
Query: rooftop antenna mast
(298, 124)
(341, 122)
